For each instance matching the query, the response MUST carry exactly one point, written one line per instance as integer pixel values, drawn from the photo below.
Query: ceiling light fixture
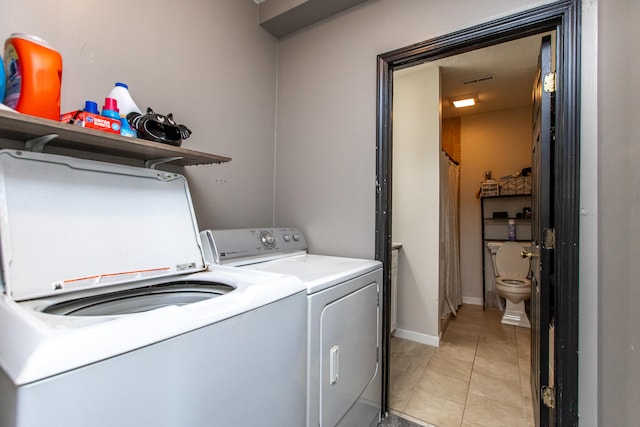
(466, 102)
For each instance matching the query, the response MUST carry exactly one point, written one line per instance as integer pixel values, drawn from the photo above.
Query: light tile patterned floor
(478, 377)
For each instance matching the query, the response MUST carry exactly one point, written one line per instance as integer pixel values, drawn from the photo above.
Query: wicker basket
(515, 185)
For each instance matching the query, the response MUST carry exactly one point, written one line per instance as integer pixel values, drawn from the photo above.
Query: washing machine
(344, 318)
(110, 316)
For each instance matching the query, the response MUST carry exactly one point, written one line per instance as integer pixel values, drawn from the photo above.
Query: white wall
(326, 124)
(208, 62)
(416, 196)
(499, 141)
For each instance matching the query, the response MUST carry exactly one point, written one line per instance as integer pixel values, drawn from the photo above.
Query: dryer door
(349, 342)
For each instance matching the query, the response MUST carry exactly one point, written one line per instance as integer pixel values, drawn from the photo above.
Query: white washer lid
(69, 224)
(509, 260)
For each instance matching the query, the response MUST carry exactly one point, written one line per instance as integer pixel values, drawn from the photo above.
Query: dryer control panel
(249, 245)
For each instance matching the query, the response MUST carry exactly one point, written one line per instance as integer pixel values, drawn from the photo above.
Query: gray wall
(325, 155)
(619, 210)
(219, 72)
(325, 158)
(208, 62)
(588, 301)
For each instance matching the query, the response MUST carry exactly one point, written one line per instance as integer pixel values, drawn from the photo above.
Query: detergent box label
(91, 121)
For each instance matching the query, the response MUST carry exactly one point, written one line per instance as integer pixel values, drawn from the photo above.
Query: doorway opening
(479, 362)
(561, 17)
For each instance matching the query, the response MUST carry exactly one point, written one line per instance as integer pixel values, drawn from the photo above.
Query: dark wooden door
(543, 235)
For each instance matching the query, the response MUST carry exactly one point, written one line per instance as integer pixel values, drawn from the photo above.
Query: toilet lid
(509, 261)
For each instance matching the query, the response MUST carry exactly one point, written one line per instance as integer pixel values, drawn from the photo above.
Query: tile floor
(479, 376)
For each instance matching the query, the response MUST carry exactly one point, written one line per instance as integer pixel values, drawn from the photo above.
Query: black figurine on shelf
(157, 127)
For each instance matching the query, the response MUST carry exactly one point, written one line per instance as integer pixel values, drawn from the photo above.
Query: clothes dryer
(344, 318)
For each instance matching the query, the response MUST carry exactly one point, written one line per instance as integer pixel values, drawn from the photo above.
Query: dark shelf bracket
(36, 145)
(151, 164)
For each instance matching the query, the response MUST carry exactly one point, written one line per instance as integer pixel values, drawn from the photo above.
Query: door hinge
(549, 397)
(549, 84)
(549, 238)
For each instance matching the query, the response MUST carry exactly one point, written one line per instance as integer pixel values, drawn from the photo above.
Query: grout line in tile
(520, 338)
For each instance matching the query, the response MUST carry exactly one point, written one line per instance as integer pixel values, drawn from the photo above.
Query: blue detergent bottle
(91, 107)
(110, 109)
(125, 129)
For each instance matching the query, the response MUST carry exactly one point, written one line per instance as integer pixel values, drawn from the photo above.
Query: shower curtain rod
(449, 157)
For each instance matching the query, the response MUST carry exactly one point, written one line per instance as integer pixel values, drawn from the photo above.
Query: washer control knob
(267, 239)
(296, 237)
(286, 237)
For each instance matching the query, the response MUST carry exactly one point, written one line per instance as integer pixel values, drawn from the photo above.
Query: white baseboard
(417, 337)
(472, 300)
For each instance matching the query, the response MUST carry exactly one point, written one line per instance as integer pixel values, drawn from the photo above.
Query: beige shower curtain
(450, 284)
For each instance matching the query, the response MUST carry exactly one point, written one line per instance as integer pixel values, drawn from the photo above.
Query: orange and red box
(91, 121)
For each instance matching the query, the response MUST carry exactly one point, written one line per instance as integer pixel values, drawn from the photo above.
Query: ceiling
(500, 76)
(284, 17)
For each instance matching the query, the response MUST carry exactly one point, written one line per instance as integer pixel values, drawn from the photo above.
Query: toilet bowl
(511, 281)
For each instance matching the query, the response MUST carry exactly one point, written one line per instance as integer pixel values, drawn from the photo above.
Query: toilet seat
(506, 284)
(513, 281)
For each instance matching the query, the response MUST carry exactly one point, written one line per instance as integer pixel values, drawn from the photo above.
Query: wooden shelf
(25, 128)
(505, 220)
(505, 196)
(503, 240)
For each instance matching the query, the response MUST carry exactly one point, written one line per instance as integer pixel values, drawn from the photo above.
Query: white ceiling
(513, 66)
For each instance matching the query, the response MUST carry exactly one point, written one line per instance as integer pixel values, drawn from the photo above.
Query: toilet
(511, 280)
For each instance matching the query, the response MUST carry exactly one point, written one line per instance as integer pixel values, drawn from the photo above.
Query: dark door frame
(564, 17)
